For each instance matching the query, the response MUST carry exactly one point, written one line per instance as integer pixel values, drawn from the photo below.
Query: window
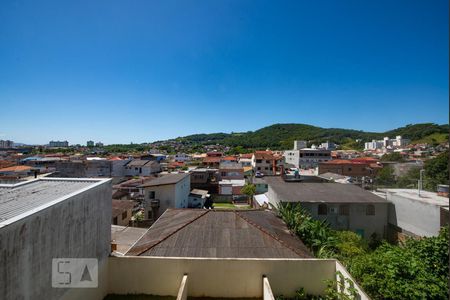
(344, 210)
(115, 221)
(124, 215)
(258, 161)
(370, 210)
(151, 195)
(322, 209)
(259, 168)
(266, 168)
(349, 169)
(267, 161)
(223, 173)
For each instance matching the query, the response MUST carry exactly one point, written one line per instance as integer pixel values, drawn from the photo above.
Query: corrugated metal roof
(209, 233)
(16, 200)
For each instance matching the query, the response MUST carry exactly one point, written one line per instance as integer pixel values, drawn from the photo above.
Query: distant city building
(6, 144)
(306, 158)
(99, 144)
(387, 143)
(328, 145)
(61, 144)
(300, 145)
(90, 143)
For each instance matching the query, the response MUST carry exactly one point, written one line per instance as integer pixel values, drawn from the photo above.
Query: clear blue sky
(134, 71)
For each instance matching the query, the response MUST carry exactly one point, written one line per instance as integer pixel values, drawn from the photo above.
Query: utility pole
(420, 183)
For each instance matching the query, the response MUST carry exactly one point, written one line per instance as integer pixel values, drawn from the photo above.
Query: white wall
(419, 218)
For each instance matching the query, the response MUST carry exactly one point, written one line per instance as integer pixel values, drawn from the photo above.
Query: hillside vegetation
(281, 136)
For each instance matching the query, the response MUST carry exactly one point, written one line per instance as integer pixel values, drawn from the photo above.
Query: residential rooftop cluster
(173, 218)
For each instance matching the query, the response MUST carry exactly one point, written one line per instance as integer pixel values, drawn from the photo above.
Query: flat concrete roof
(425, 196)
(326, 192)
(25, 198)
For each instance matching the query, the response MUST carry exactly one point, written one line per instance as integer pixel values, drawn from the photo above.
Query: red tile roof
(264, 155)
(16, 169)
(211, 159)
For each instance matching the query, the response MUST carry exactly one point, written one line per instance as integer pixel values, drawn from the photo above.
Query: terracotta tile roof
(246, 155)
(264, 155)
(6, 164)
(229, 158)
(16, 169)
(211, 159)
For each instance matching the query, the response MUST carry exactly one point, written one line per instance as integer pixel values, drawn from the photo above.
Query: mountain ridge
(282, 135)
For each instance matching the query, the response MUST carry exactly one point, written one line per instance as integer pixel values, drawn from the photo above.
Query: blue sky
(135, 71)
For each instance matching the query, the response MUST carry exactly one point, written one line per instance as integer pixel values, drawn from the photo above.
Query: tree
(436, 171)
(385, 177)
(409, 180)
(394, 156)
(249, 190)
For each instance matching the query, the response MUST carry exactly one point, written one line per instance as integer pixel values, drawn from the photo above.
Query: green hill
(281, 136)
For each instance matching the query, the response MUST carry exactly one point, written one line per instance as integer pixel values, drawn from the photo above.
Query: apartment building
(307, 158)
(6, 144)
(141, 167)
(59, 144)
(386, 143)
(350, 167)
(266, 162)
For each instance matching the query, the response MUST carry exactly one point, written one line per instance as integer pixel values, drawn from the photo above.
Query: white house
(169, 190)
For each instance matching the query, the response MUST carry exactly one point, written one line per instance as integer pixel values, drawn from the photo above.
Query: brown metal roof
(119, 206)
(166, 179)
(225, 234)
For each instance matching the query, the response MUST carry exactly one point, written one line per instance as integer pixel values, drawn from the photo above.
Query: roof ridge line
(172, 233)
(269, 234)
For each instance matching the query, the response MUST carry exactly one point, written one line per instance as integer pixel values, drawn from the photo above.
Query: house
(265, 162)
(181, 157)
(211, 161)
(205, 179)
(350, 167)
(246, 160)
(215, 234)
(231, 170)
(343, 206)
(260, 185)
(414, 215)
(122, 211)
(231, 187)
(140, 167)
(167, 191)
(197, 198)
(16, 171)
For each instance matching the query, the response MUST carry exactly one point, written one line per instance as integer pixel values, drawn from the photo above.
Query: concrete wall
(218, 277)
(182, 190)
(419, 218)
(357, 220)
(78, 227)
(169, 196)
